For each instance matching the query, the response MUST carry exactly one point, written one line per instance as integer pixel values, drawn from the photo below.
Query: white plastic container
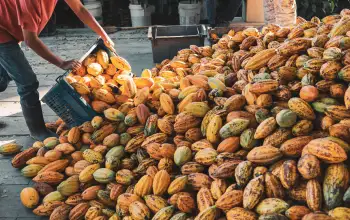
(189, 14)
(95, 8)
(141, 16)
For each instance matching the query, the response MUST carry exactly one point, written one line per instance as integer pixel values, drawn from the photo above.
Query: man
(211, 11)
(231, 9)
(225, 12)
(23, 20)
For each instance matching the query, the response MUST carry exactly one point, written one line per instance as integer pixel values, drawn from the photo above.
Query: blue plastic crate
(66, 102)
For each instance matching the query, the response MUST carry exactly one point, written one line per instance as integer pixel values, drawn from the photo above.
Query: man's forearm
(42, 50)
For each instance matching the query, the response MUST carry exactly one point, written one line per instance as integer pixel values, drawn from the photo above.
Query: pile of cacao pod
(254, 127)
(99, 77)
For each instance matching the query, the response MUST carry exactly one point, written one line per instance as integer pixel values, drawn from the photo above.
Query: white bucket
(140, 16)
(95, 9)
(189, 13)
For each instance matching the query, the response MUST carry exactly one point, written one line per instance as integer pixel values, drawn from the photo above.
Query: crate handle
(112, 51)
(60, 77)
(203, 30)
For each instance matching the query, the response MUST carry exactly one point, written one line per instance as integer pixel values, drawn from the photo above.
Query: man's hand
(109, 43)
(70, 64)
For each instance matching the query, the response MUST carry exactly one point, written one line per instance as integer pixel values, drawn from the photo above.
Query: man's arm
(33, 41)
(84, 15)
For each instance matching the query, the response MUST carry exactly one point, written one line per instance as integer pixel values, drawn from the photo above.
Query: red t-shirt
(31, 15)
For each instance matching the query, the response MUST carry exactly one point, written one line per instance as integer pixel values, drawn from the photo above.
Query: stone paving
(69, 44)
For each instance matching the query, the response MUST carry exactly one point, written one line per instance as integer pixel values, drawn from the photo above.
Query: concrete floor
(68, 44)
